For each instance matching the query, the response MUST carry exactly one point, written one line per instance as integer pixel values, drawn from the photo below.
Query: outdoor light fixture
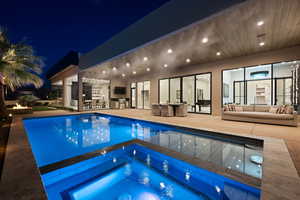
(205, 40)
(262, 44)
(170, 51)
(145, 58)
(128, 64)
(260, 23)
(165, 65)
(123, 75)
(188, 60)
(148, 69)
(218, 53)
(134, 72)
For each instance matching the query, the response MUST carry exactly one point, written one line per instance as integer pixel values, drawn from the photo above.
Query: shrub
(27, 100)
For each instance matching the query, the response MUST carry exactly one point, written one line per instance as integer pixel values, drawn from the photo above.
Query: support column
(80, 92)
(64, 96)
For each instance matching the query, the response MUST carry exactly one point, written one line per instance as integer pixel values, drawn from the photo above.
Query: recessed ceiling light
(145, 58)
(128, 64)
(170, 51)
(205, 40)
(165, 65)
(134, 72)
(123, 75)
(103, 72)
(114, 68)
(218, 53)
(188, 60)
(260, 23)
(148, 69)
(262, 44)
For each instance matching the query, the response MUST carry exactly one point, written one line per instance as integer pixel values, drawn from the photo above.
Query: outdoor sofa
(281, 115)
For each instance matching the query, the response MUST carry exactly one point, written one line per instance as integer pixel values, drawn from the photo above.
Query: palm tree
(18, 67)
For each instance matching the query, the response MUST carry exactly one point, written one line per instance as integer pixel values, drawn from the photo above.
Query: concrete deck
(21, 180)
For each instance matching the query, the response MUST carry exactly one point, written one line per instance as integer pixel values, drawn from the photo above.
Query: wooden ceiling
(233, 32)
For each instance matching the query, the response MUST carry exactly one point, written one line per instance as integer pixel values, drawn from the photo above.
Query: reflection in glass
(188, 84)
(164, 91)
(175, 90)
(140, 100)
(203, 96)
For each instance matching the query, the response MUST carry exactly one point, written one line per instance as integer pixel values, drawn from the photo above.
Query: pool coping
(21, 177)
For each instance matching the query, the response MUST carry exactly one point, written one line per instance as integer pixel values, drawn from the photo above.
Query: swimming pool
(55, 139)
(135, 172)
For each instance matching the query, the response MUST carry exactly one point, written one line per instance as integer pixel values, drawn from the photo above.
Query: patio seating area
(169, 110)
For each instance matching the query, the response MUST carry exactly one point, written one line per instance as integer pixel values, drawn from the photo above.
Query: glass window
(258, 72)
(259, 92)
(230, 79)
(71, 92)
(95, 93)
(164, 91)
(140, 99)
(283, 69)
(203, 96)
(175, 91)
(146, 95)
(188, 87)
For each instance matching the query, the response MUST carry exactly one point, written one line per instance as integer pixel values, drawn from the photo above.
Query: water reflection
(89, 131)
(228, 155)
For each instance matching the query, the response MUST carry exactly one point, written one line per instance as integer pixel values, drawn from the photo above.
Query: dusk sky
(55, 27)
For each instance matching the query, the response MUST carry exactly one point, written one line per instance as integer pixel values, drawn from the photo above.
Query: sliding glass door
(133, 95)
(140, 96)
(164, 91)
(283, 91)
(175, 90)
(188, 90)
(203, 93)
(194, 90)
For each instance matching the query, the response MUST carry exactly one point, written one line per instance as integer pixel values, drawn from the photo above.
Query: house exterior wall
(287, 54)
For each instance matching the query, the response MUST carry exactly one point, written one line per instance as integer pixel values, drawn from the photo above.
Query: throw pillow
(289, 110)
(282, 109)
(239, 109)
(273, 110)
(225, 108)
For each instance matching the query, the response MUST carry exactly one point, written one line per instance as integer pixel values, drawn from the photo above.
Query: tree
(18, 67)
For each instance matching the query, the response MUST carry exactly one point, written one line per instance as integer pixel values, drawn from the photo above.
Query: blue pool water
(138, 173)
(55, 139)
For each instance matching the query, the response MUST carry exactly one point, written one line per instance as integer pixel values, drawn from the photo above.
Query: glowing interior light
(170, 51)
(114, 68)
(127, 64)
(123, 75)
(10, 115)
(148, 69)
(165, 65)
(134, 152)
(218, 53)
(145, 58)
(188, 60)
(114, 160)
(134, 72)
